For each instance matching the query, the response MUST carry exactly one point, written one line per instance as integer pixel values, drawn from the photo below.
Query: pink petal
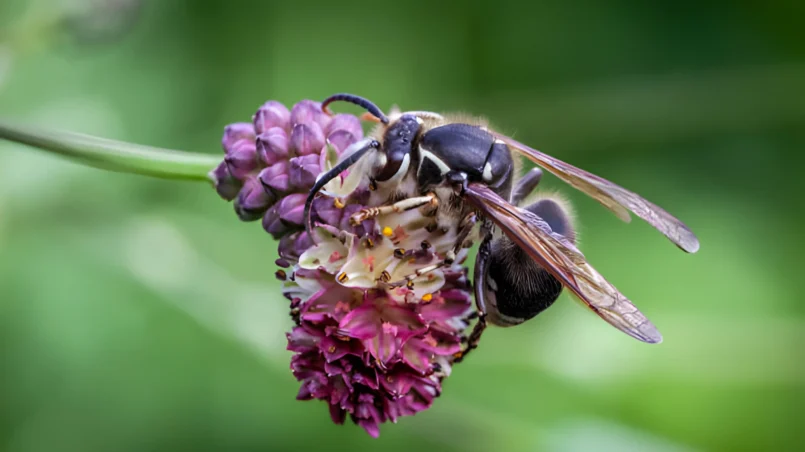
(383, 347)
(366, 377)
(417, 357)
(370, 426)
(338, 414)
(407, 322)
(438, 342)
(302, 339)
(334, 349)
(331, 302)
(398, 383)
(362, 323)
(446, 305)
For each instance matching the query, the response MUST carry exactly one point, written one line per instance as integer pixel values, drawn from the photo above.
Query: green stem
(115, 155)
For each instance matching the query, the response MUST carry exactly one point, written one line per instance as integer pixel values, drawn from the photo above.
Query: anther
(425, 245)
(387, 231)
(399, 253)
(281, 275)
(338, 203)
(342, 278)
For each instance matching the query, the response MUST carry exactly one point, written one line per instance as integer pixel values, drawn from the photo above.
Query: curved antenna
(357, 100)
(322, 180)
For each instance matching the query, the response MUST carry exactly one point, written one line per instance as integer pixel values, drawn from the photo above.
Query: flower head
(371, 348)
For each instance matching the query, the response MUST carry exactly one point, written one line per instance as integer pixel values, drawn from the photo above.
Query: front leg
(397, 207)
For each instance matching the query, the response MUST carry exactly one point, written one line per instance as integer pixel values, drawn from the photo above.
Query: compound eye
(394, 163)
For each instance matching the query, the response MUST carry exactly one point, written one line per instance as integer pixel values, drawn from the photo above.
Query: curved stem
(114, 155)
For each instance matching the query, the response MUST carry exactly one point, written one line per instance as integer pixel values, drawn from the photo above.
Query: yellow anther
(387, 231)
(338, 203)
(427, 297)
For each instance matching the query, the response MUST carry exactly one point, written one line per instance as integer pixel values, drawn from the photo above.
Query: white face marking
(500, 142)
(429, 156)
(487, 172)
(403, 168)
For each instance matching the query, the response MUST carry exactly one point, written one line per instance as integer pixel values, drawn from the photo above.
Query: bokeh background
(140, 315)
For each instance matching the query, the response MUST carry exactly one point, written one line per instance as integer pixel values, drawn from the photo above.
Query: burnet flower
(371, 349)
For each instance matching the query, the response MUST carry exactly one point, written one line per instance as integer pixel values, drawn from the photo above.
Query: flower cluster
(372, 348)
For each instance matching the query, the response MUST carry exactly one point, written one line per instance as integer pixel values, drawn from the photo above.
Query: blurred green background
(140, 315)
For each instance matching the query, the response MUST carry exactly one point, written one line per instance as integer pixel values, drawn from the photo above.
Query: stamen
(387, 231)
(427, 297)
(338, 203)
(342, 278)
(399, 253)
(281, 275)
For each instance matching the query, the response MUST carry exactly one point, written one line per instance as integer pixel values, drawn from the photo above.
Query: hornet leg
(527, 184)
(397, 207)
(479, 277)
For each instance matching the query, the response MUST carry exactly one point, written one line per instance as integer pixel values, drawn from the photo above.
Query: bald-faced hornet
(464, 173)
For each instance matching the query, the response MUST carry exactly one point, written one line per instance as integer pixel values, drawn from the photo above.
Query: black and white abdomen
(517, 288)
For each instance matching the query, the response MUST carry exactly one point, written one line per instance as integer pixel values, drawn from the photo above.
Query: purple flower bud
(308, 112)
(325, 211)
(291, 208)
(276, 176)
(304, 170)
(236, 132)
(293, 245)
(271, 114)
(226, 185)
(287, 247)
(273, 224)
(307, 139)
(272, 145)
(252, 200)
(341, 140)
(241, 159)
(347, 123)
